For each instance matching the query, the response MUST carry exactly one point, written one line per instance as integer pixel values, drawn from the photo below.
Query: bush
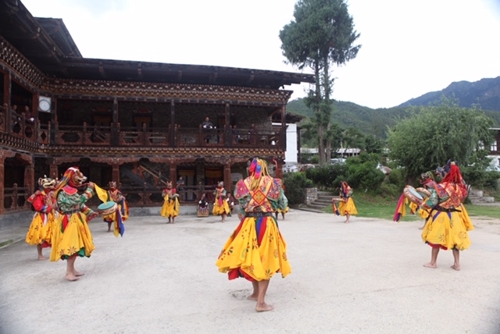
(397, 178)
(389, 190)
(363, 172)
(295, 187)
(326, 176)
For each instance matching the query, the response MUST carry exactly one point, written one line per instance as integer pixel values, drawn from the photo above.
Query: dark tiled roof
(47, 43)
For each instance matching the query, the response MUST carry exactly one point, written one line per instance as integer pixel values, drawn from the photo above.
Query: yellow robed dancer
(71, 237)
(278, 209)
(117, 216)
(171, 204)
(448, 223)
(347, 207)
(43, 202)
(221, 206)
(256, 250)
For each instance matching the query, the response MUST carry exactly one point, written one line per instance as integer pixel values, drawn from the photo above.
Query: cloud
(408, 48)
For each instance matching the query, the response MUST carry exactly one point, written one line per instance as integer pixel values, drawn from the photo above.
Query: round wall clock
(44, 103)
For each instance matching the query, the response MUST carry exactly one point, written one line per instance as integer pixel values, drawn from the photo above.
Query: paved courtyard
(362, 277)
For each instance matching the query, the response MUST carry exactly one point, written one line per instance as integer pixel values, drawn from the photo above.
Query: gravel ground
(362, 277)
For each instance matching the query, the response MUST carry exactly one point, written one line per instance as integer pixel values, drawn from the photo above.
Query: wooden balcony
(116, 136)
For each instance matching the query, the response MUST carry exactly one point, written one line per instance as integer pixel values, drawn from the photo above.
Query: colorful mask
(46, 182)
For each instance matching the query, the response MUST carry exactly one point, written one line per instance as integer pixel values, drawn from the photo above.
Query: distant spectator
(28, 115)
(180, 187)
(207, 126)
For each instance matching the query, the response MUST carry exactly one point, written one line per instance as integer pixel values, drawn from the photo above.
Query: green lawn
(383, 208)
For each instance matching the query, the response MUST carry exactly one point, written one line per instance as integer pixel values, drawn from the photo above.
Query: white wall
(291, 144)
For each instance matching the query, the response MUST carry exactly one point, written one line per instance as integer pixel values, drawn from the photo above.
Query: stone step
(327, 198)
(318, 206)
(484, 199)
(325, 203)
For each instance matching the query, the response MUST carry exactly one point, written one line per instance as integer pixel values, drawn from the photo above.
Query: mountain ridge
(484, 93)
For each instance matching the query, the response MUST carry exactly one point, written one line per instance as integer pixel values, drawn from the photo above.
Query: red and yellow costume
(256, 249)
(171, 206)
(118, 216)
(43, 202)
(71, 234)
(221, 207)
(346, 205)
(448, 222)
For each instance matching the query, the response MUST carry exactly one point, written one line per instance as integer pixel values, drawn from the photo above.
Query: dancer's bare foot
(346, 222)
(71, 277)
(421, 228)
(252, 297)
(41, 258)
(455, 267)
(78, 274)
(263, 307)
(430, 265)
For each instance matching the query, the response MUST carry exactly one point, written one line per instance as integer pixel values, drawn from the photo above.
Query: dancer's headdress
(46, 182)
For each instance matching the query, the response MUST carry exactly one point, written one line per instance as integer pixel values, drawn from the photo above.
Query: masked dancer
(43, 202)
(171, 205)
(256, 249)
(221, 207)
(448, 222)
(347, 207)
(71, 237)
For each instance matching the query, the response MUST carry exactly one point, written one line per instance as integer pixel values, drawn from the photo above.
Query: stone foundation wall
(311, 195)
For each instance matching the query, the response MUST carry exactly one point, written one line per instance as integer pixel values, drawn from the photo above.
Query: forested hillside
(348, 114)
(484, 93)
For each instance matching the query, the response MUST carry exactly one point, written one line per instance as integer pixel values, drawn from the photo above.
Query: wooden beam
(139, 71)
(251, 77)
(213, 78)
(102, 71)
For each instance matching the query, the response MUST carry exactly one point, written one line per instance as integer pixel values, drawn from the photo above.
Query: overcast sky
(409, 47)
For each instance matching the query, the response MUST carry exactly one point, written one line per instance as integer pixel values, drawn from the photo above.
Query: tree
(321, 35)
(435, 134)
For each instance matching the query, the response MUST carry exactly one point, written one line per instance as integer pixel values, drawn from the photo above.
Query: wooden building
(137, 123)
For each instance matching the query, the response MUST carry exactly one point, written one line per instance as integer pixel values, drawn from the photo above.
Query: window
(494, 147)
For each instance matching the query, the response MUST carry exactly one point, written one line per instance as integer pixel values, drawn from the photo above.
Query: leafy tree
(438, 133)
(373, 145)
(321, 35)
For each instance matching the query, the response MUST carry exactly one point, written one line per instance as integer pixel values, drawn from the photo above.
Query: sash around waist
(258, 214)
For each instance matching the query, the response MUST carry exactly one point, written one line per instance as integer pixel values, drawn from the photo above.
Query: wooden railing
(115, 135)
(15, 198)
(147, 197)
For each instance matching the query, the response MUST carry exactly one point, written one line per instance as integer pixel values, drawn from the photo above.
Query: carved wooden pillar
(2, 183)
(115, 174)
(29, 178)
(114, 128)
(53, 170)
(228, 185)
(227, 128)
(171, 136)
(173, 174)
(278, 172)
(7, 90)
(283, 129)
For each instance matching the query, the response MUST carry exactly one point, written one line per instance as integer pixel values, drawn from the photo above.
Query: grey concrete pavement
(362, 277)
